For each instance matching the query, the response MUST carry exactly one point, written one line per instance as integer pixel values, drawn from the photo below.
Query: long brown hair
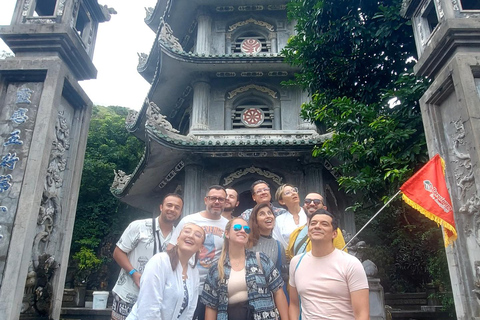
(173, 252)
(253, 223)
(225, 248)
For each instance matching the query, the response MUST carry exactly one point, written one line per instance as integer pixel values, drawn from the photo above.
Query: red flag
(426, 191)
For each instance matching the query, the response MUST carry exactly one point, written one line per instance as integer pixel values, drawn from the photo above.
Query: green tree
(109, 147)
(352, 56)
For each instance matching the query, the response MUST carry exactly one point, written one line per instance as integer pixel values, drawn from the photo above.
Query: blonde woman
(169, 285)
(243, 285)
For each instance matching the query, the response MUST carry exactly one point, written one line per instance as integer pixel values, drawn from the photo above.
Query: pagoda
(217, 111)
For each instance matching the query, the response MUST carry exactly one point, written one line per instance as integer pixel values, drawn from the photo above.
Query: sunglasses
(315, 201)
(238, 227)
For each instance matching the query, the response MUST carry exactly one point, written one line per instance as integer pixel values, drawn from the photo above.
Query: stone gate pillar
(44, 118)
(446, 35)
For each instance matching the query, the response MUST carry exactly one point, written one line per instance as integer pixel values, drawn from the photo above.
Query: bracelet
(132, 271)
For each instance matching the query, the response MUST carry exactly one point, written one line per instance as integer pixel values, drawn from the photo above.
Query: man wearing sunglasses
(212, 221)
(299, 241)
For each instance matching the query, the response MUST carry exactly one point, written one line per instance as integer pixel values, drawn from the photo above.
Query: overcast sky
(118, 41)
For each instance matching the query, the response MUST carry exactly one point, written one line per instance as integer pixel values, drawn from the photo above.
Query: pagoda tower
(217, 111)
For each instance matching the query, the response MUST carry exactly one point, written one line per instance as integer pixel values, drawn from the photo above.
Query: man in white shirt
(331, 284)
(138, 243)
(212, 221)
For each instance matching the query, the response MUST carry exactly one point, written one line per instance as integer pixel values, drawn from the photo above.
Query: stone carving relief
(131, 118)
(455, 5)
(250, 8)
(148, 12)
(260, 23)
(50, 206)
(60, 7)
(180, 101)
(464, 178)
(23, 95)
(157, 120)
(166, 35)
(270, 92)
(13, 139)
(5, 182)
(19, 116)
(171, 174)
(477, 279)
(8, 161)
(120, 180)
(225, 9)
(441, 14)
(142, 60)
(242, 172)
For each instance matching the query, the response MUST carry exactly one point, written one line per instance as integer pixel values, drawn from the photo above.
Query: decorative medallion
(252, 117)
(251, 46)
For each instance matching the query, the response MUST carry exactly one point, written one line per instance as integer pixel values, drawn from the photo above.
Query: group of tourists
(267, 263)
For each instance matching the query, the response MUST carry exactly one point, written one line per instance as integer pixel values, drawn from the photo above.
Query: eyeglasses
(315, 201)
(289, 192)
(260, 191)
(238, 227)
(214, 199)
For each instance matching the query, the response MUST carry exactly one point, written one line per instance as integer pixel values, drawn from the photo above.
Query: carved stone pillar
(201, 102)
(44, 120)
(204, 31)
(449, 53)
(193, 191)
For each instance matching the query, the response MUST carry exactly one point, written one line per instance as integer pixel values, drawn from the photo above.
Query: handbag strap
(156, 236)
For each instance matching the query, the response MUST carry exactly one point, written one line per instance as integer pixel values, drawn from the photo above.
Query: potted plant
(86, 262)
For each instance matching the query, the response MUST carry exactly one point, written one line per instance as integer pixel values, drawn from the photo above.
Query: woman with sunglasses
(262, 222)
(243, 285)
(169, 284)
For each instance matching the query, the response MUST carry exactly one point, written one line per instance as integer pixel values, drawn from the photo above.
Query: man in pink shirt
(331, 284)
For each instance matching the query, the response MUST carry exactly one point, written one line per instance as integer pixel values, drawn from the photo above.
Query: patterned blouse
(260, 286)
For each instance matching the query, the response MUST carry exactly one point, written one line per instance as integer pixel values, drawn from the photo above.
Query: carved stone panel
(17, 117)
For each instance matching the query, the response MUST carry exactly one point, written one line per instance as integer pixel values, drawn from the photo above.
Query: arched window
(252, 114)
(251, 43)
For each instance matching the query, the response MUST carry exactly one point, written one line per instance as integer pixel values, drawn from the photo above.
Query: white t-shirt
(212, 247)
(286, 224)
(137, 241)
(324, 284)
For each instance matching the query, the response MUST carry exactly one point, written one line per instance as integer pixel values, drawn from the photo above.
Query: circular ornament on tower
(251, 46)
(252, 117)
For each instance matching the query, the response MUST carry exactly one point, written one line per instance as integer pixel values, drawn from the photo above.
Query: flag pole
(368, 222)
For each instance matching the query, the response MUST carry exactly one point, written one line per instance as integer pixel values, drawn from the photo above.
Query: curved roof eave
(164, 149)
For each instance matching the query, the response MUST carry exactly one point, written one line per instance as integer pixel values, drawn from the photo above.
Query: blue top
(260, 286)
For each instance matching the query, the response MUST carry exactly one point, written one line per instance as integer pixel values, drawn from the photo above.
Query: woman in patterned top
(169, 285)
(243, 284)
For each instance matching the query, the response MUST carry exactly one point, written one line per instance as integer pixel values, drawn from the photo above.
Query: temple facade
(217, 111)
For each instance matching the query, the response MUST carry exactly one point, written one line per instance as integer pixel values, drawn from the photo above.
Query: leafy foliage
(98, 222)
(353, 59)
